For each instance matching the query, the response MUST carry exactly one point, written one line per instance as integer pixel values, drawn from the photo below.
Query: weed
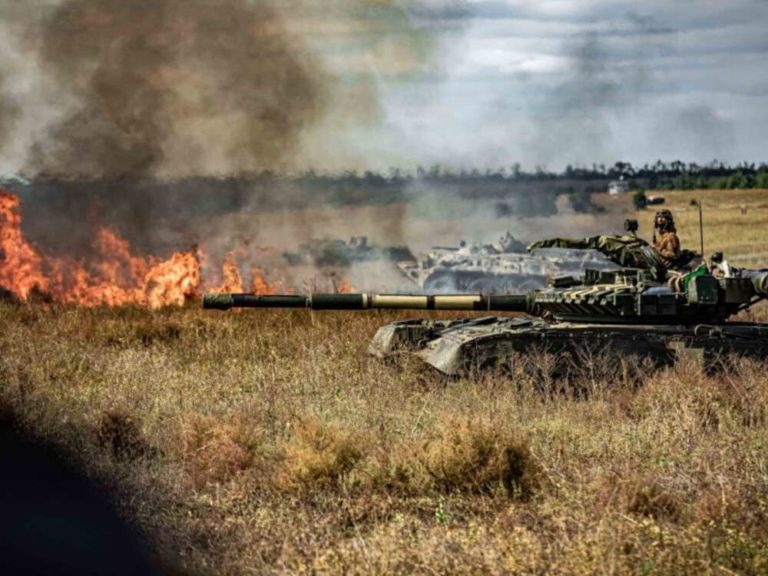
(475, 456)
(214, 452)
(320, 455)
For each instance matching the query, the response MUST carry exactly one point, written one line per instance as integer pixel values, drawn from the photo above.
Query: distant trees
(661, 174)
(511, 188)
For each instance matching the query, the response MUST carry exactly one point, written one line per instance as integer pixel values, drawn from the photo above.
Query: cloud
(580, 82)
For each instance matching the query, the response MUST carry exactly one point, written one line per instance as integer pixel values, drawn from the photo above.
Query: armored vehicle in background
(496, 268)
(335, 252)
(640, 311)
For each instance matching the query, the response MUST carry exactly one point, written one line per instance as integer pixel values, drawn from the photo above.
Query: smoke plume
(176, 86)
(121, 93)
(575, 121)
(9, 114)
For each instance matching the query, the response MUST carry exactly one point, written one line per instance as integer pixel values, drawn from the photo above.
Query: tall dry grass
(734, 222)
(269, 442)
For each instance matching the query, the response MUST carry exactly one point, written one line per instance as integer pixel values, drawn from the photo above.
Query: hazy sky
(556, 82)
(465, 83)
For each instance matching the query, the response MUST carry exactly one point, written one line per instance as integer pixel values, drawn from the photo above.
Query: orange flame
(261, 287)
(114, 276)
(345, 287)
(233, 280)
(174, 281)
(117, 277)
(20, 265)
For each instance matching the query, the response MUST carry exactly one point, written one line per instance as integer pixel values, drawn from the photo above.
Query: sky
(400, 83)
(551, 83)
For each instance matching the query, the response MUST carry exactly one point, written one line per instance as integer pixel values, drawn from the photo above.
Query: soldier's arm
(673, 245)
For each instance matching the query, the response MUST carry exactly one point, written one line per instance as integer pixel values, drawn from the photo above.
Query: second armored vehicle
(497, 268)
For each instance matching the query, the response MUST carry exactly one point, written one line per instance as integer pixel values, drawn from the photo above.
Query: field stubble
(270, 442)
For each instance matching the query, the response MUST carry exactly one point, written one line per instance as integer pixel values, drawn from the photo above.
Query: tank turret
(629, 311)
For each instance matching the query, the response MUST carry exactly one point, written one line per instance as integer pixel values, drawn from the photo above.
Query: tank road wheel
(486, 286)
(441, 282)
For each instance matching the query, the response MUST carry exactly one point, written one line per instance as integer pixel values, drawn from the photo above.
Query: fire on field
(113, 275)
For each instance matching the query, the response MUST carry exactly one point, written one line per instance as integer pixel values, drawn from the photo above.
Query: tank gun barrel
(365, 301)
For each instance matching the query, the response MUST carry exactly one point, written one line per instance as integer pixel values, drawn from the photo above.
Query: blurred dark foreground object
(53, 520)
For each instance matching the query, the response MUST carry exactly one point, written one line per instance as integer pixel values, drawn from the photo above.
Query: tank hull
(459, 347)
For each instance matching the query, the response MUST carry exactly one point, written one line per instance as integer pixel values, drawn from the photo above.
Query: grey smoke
(172, 87)
(573, 123)
(168, 84)
(127, 91)
(9, 114)
(696, 126)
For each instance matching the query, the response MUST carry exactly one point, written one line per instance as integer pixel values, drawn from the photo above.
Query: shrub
(476, 456)
(214, 452)
(320, 455)
(639, 494)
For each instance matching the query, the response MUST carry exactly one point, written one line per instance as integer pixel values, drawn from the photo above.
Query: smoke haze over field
(555, 83)
(165, 87)
(171, 88)
(128, 91)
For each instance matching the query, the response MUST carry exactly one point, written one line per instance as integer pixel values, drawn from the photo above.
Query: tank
(497, 268)
(335, 252)
(645, 314)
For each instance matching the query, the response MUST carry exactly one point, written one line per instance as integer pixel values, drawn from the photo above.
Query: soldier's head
(664, 220)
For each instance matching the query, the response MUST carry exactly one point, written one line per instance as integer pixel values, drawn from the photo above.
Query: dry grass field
(735, 222)
(269, 442)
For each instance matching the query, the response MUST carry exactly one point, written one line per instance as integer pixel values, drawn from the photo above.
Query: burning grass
(112, 275)
(270, 442)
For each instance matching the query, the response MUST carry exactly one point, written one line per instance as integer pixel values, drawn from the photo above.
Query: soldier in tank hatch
(665, 240)
(663, 258)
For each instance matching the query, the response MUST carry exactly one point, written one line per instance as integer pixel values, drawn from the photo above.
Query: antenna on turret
(701, 228)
